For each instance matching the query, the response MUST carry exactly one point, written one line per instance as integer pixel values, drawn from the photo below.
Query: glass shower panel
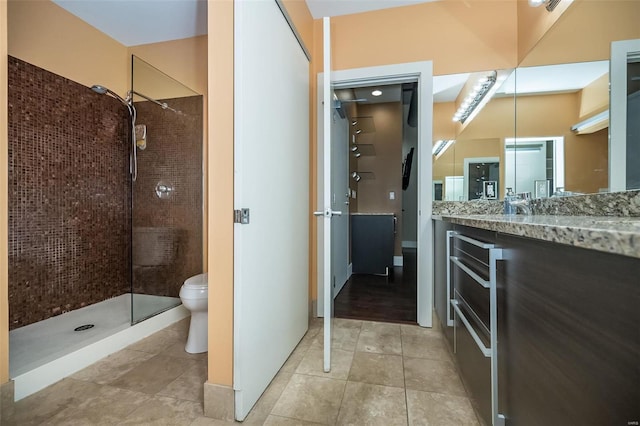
(167, 205)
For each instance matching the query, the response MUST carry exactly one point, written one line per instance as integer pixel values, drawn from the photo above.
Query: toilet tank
(155, 246)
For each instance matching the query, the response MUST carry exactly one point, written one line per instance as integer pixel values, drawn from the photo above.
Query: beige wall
(386, 165)
(443, 125)
(584, 32)
(302, 19)
(45, 35)
(595, 97)
(220, 189)
(459, 36)
(4, 238)
(534, 22)
(185, 60)
(587, 162)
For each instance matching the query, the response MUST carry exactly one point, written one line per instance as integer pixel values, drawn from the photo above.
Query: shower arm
(163, 105)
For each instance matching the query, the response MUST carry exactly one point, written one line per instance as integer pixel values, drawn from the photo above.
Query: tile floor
(383, 374)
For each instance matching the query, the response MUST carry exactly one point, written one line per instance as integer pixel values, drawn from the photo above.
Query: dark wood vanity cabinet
(570, 335)
(568, 332)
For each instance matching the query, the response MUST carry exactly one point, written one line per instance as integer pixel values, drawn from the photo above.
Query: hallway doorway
(419, 73)
(381, 140)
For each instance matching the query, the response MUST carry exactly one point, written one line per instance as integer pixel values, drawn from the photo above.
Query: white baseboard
(398, 261)
(409, 244)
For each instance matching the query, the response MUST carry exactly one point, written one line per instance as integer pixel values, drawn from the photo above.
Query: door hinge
(241, 216)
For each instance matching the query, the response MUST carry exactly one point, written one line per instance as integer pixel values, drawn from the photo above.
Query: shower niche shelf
(366, 149)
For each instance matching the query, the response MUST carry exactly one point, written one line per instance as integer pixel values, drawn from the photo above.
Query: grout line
(347, 380)
(404, 377)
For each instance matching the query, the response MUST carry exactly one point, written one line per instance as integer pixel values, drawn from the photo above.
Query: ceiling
(390, 93)
(322, 8)
(135, 22)
(554, 78)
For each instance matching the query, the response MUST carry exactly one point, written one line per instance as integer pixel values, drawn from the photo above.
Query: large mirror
(556, 139)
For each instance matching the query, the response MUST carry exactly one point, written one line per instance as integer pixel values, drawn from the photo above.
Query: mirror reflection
(469, 162)
(550, 128)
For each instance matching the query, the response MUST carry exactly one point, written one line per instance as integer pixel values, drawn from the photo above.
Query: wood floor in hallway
(378, 298)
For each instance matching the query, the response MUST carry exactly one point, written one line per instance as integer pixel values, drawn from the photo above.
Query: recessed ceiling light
(376, 92)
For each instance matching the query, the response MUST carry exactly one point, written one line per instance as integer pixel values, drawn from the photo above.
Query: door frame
(618, 112)
(422, 72)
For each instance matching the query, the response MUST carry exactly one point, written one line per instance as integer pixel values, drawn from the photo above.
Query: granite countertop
(611, 234)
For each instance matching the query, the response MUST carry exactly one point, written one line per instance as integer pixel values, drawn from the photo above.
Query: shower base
(40, 354)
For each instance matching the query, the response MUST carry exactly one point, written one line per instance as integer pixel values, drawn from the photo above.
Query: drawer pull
(485, 351)
(476, 243)
(484, 283)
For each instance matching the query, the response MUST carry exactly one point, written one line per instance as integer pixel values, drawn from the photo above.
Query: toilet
(194, 293)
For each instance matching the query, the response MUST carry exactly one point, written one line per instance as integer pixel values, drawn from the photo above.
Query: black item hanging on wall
(412, 116)
(406, 170)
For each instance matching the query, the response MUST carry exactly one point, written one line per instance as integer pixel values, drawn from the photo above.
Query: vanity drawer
(475, 297)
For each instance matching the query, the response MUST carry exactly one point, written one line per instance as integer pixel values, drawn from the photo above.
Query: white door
(624, 142)
(271, 178)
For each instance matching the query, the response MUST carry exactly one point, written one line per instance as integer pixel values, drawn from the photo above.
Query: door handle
(328, 213)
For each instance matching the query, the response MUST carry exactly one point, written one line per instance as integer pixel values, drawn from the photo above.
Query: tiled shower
(69, 186)
(76, 215)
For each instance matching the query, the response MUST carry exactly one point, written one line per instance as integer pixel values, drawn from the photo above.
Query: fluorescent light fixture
(376, 92)
(477, 98)
(592, 124)
(550, 5)
(441, 146)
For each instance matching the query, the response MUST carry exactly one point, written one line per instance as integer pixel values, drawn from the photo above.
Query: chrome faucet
(522, 202)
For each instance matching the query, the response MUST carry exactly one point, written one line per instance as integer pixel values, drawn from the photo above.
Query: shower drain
(84, 327)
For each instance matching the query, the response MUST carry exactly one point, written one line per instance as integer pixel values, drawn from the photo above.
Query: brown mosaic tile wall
(69, 221)
(173, 156)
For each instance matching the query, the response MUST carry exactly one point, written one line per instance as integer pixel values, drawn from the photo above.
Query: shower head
(105, 90)
(99, 89)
